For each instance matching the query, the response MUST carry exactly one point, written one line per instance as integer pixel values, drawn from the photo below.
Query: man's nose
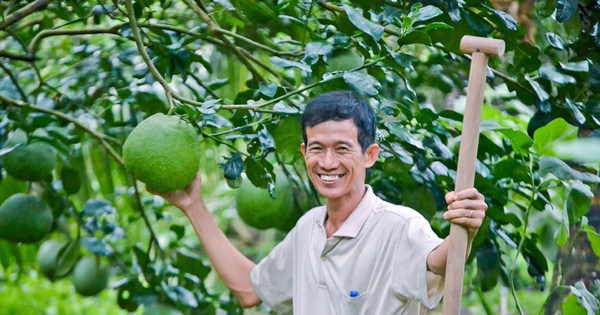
(329, 160)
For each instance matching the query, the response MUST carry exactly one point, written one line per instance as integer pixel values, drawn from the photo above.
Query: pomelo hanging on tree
(25, 218)
(256, 207)
(33, 161)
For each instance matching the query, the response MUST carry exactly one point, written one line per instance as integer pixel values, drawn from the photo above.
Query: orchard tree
(79, 76)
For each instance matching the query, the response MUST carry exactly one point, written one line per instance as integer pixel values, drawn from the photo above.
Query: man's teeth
(330, 178)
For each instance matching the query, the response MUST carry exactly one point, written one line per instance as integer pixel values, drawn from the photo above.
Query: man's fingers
(465, 217)
(468, 204)
(469, 193)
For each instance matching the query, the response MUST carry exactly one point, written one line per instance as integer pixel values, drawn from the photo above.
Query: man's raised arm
(230, 264)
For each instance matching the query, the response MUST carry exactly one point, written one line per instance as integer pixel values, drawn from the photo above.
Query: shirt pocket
(355, 303)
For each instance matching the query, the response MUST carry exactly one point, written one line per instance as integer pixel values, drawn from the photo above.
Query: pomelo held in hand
(25, 218)
(163, 152)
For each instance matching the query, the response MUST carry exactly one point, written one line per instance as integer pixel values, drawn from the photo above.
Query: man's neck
(339, 210)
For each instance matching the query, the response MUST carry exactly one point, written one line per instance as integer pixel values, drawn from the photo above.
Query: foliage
(87, 72)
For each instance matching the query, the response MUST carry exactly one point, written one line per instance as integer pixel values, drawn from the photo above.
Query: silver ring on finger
(471, 214)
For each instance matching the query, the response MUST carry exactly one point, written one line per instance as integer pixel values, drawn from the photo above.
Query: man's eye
(342, 149)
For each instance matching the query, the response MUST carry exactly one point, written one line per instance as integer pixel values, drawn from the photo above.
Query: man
(357, 254)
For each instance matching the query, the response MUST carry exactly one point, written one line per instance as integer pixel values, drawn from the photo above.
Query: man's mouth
(330, 178)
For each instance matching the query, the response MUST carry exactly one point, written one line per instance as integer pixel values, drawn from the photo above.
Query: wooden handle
(465, 177)
(488, 46)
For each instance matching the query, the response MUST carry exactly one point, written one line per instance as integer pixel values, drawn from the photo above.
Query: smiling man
(357, 254)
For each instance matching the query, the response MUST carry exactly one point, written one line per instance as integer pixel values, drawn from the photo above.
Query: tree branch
(99, 136)
(87, 31)
(258, 45)
(22, 26)
(140, 45)
(23, 12)
(14, 81)
(215, 29)
(9, 55)
(298, 91)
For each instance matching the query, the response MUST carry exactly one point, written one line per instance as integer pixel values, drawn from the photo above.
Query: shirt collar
(357, 218)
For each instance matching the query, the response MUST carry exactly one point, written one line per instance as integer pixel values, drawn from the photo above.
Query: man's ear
(372, 153)
(303, 148)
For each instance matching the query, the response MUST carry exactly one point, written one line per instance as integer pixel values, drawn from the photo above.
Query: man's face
(334, 159)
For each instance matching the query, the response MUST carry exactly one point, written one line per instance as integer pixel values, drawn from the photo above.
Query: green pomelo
(89, 277)
(30, 162)
(47, 257)
(256, 207)
(25, 218)
(301, 206)
(163, 152)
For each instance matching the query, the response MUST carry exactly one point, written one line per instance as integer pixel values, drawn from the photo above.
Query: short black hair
(339, 106)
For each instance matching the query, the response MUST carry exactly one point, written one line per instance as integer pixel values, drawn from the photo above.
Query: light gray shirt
(376, 263)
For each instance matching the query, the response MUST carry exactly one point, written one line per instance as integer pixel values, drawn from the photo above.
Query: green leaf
(506, 19)
(259, 171)
(267, 88)
(585, 298)
(538, 89)
(267, 143)
(436, 26)
(555, 41)
(286, 64)
(579, 66)
(363, 84)
(97, 207)
(179, 230)
(425, 13)
(511, 168)
(478, 24)
(550, 73)
(97, 246)
(192, 264)
(546, 136)
(233, 166)
(562, 233)
(421, 200)
(179, 294)
(537, 262)
(520, 141)
(403, 134)
(562, 171)
(579, 199)
(565, 9)
(313, 50)
(594, 238)
(404, 60)
(66, 258)
(372, 29)
(571, 306)
(416, 37)
(288, 137)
